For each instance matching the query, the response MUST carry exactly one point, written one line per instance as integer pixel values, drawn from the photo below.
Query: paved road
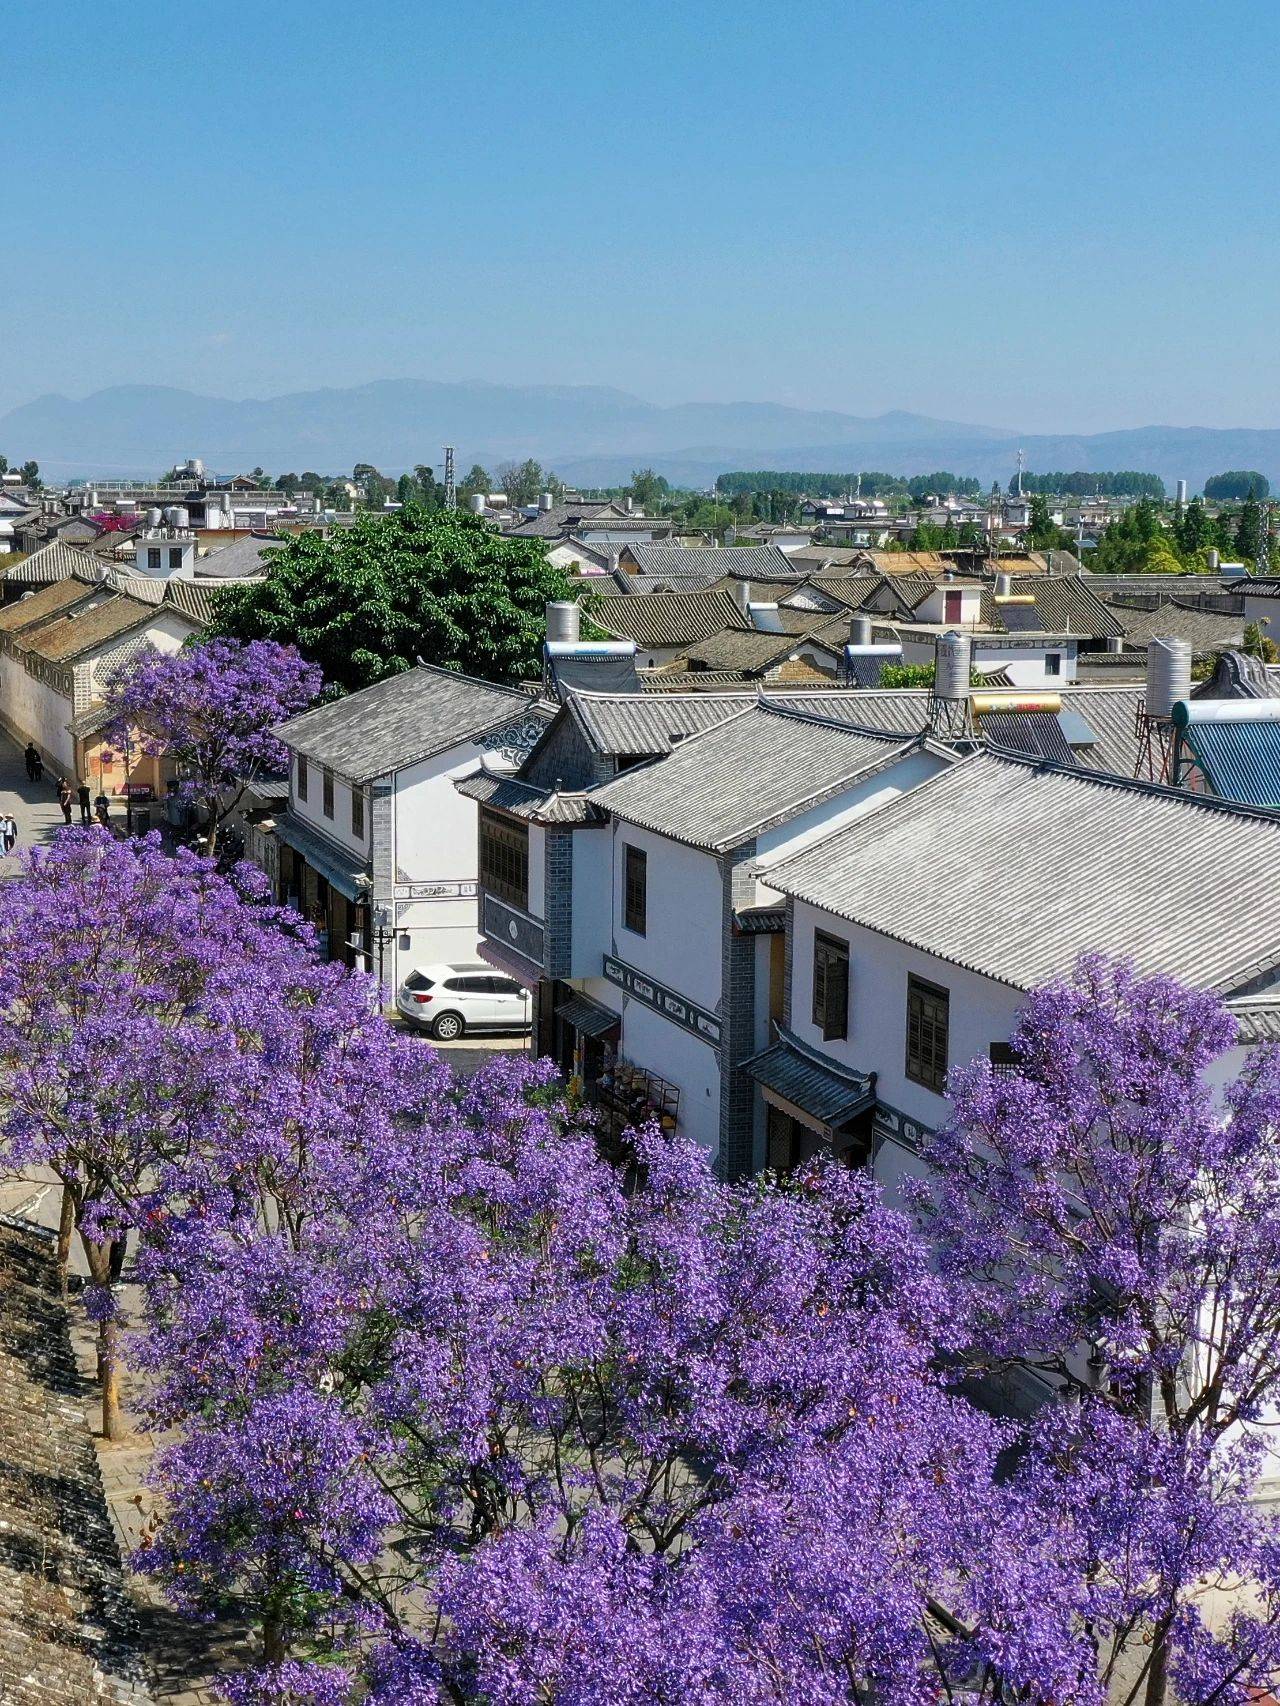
(33, 804)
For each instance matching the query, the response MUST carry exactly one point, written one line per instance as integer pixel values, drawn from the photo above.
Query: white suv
(448, 1000)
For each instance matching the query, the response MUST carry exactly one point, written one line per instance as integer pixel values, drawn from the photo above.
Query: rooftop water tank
(860, 631)
(475, 503)
(1168, 675)
(562, 621)
(951, 672)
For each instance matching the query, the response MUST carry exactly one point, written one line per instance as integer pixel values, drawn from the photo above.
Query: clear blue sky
(1040, 216)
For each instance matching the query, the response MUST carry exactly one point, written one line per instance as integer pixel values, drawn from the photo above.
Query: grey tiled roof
(719, 788)
(1064, 604)
(631, 724)
(1258, 1017)
(1030, 865)
(68, 1632)
(249, 556)
(522, 799)
(401, 721)
(665, 618)
(829, 1092)
(54, 562)
(750, 650)
(767, 561)
(567, 517)
(1204, 630)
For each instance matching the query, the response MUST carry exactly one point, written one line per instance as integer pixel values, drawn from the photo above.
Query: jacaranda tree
(1108, 1219)
(474, 1422)
(210, 710)
(154, 1016)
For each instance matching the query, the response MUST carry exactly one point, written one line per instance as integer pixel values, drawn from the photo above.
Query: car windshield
(418, 980)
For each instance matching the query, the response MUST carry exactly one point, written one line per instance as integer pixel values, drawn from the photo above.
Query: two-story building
(914, 936)
(375, 845)
(636, 903)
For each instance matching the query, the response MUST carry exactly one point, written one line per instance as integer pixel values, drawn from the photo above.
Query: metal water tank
(1168, 675)
(1212, 558)
(546, 502)
(171, 515)
(562, 620)
(154, 516)
(181, 517)
(951, 666)
(860, 631)
(475, 503)
(1004, 586)
(742, 597)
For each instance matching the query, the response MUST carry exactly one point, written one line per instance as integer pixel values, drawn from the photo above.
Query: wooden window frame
(830, 1017)
(928, 1041)
(357, 812)
(504, 859)
(301, 777)
(326, 792)
(635, 889)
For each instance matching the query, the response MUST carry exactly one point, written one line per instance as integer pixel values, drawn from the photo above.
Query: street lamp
(383, 936)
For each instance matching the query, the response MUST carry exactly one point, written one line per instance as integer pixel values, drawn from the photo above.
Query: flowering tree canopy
(1105, 1217)
(485, 1424)
(151, 1011)
(211, 708)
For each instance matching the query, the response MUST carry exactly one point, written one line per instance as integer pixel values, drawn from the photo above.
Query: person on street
(86, 803)
(64, 798)
(102, 809)
(33, 762)
(8, 831)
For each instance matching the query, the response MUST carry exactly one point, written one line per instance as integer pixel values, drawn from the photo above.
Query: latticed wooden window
(830, 985)
(504, 859)
(636, 890)
(928, 1022)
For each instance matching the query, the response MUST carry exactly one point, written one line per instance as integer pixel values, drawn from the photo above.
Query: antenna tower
(450, 489)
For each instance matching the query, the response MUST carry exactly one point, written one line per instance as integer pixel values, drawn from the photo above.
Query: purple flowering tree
(472, 1420)
(1110, 1220)
(211, 709)
(152, 1013)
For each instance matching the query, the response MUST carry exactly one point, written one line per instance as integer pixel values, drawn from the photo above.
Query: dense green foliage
(1127, 483)
(873, 485)
(1136, 544)
(1238, 483)
(368, 600)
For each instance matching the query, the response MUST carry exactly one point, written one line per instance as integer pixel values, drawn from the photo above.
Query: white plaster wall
(166, 633)
(683, 1060)
(435, 825)
(34, 711)
(682, 944)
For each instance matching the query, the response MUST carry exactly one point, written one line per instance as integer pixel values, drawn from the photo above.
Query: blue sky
(1041, 216)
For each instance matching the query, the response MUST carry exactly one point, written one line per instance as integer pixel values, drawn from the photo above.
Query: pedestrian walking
(64, 798)
(33, 762)
(86, 803)
(9, 831)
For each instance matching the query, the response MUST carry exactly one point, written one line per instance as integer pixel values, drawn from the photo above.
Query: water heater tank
(951, 672)
(562, 620)
(1168, 675)
(475, 503)
(860, 631)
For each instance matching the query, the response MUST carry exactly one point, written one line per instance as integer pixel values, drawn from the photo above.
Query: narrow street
(34, 804)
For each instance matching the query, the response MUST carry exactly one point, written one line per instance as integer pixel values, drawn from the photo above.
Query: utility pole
(450, 490)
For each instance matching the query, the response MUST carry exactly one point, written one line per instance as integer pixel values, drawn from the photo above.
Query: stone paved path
(33, 804)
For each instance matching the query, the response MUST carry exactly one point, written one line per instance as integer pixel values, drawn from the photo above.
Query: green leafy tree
(288, 484)
(478, 481)
(4, 464)
(367, 601)
(524, 482)
(1043, 532)
(1193, 530)
(1236, 484)
(30, 472)
(1136, 544)
(647, 488)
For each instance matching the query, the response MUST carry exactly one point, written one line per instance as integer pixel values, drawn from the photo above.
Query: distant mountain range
(590, 435)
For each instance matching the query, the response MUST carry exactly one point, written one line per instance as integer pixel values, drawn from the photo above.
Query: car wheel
(446, 1027)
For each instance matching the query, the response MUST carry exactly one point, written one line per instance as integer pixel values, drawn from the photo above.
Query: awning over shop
(814, 1091)
(345, 871)
(586, 1017)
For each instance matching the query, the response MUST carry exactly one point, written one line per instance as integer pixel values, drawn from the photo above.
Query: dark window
(302, 778)
(326, 797)
(928, 1010)
(1005, 1059)
(175, 559)
(636, 890)
(830, 985)
(418, 980)
(1053, 663)
(469, 985)
(504, 859)
(357, 813)
(153, 558)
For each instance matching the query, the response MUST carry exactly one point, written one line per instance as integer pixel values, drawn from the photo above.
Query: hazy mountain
(587, 433)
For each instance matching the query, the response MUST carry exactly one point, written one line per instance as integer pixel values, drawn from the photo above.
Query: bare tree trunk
(113, 1424)
(1158, 1676)
(66, 1226)
(274, 1648)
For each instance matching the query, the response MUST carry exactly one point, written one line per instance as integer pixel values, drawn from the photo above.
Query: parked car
(451, 1000)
